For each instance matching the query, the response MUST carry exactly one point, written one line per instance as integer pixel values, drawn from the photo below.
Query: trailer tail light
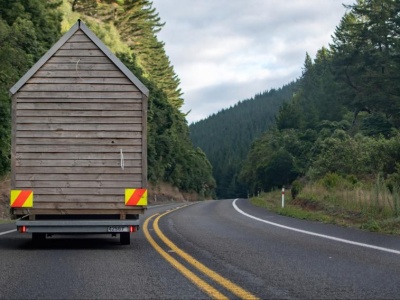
(132, 228)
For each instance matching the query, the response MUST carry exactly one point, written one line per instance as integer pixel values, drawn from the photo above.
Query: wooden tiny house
(79, 131)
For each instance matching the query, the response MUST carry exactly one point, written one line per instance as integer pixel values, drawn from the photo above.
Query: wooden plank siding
(73, 121)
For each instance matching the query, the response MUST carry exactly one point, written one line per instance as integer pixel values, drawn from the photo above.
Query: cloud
(225, 51)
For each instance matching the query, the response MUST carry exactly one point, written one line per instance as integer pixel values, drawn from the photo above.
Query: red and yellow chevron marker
(135, 197)
(21, 198)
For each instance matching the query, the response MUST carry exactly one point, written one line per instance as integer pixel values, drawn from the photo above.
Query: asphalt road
(236, 246)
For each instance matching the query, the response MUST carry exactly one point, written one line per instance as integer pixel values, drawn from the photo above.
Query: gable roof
(80, 25)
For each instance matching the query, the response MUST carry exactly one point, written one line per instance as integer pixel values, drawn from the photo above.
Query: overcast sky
(225, 51)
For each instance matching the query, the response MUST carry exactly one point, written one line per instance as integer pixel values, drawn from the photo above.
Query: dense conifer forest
(226, 136)
(340, 124)
(129, 28)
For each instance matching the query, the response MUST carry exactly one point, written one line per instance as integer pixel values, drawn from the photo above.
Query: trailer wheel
(125, 238)
(38, 237)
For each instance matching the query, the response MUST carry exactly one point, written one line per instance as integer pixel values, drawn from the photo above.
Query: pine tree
(365, 46)
(138, 24)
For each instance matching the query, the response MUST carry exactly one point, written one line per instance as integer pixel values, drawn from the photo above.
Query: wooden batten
(79, 133)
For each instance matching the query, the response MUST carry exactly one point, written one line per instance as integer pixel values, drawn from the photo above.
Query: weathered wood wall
(71, 120)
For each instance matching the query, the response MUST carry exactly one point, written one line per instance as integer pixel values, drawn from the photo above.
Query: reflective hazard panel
(135, 197)
(21, 198)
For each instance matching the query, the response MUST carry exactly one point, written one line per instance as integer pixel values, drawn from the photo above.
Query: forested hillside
(227, 135)
(340, 123)
(128, 27)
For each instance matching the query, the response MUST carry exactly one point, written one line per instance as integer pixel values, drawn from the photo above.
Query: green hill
(226, 136)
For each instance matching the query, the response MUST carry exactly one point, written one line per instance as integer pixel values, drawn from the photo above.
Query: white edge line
(7, 232)
(315, 234)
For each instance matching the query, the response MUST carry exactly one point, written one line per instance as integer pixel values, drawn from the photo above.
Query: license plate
(118, 229)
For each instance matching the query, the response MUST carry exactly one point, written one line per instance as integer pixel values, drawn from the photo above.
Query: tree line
(226, 136)
(129, 28)
(343, 117)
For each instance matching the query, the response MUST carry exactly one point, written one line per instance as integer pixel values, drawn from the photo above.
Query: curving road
(211, 249)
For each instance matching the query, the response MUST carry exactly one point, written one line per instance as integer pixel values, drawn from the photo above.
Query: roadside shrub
(335, 181)
(393, 182)
(331, 180)
(297, 186)
(352, 179)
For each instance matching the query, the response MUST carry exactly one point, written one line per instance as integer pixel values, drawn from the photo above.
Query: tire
(125, 238)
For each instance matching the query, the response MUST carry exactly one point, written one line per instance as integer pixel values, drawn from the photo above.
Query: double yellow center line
(204, 286)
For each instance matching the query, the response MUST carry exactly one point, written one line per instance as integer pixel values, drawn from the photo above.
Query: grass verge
(6, 221)
(317, 207)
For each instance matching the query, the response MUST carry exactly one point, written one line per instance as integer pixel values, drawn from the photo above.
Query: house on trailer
(79, 130)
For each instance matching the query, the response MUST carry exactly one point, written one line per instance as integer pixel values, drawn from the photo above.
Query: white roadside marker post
(283, 197)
